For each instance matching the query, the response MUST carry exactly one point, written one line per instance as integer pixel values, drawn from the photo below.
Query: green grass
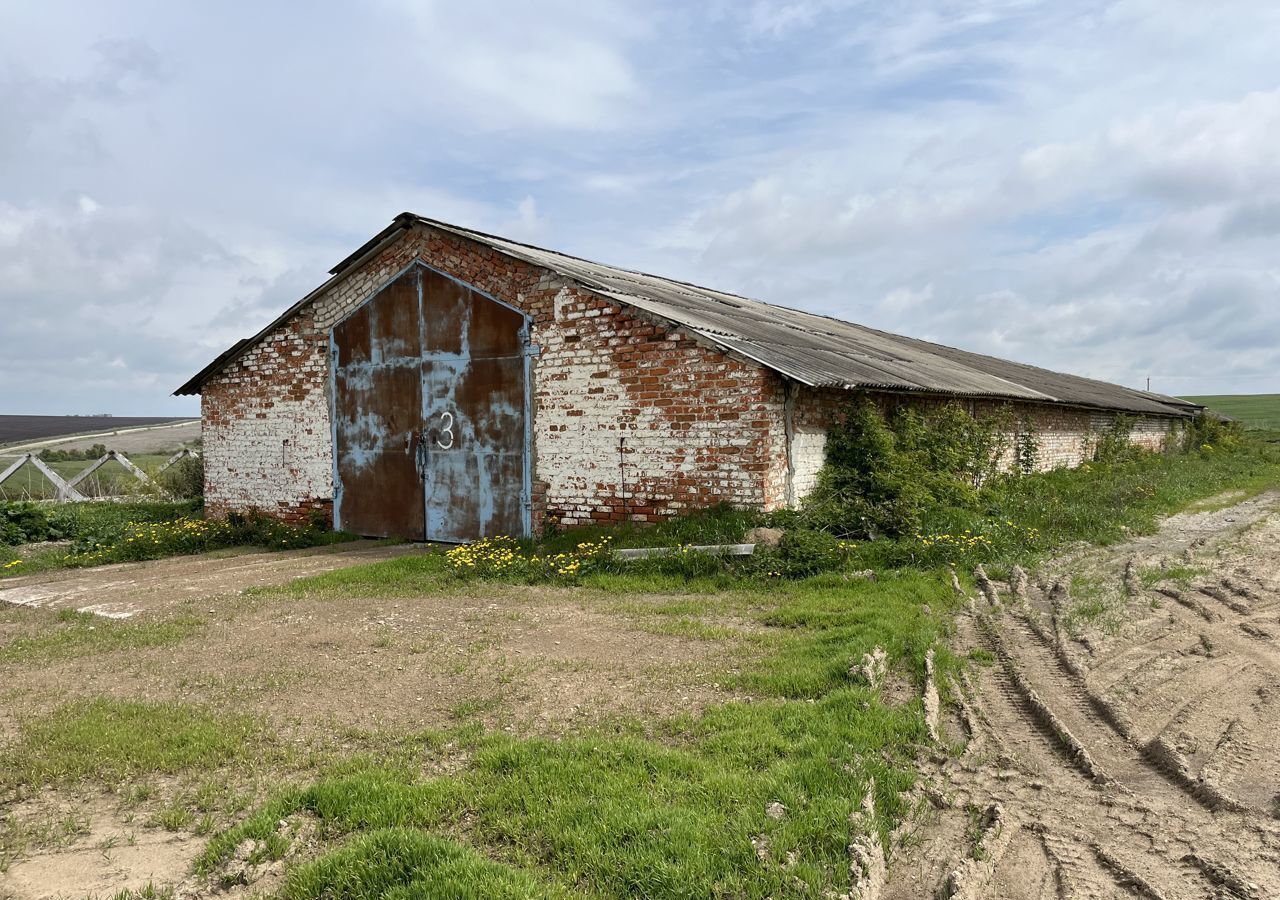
(1253, 410)
(622, 816)
(405, 576)
(1093, 602)
(411, 865)
(114, 740)
(1181, 575)
(147, 892)
(610, 812)
(84, 634)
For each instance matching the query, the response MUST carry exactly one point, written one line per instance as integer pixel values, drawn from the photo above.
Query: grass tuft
(84, 634)
(407, 864)
(112, 740)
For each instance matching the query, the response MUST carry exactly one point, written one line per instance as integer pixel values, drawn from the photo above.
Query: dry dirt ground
(324, 672)
(1123, 737)
(1119, 725)
(123, 590)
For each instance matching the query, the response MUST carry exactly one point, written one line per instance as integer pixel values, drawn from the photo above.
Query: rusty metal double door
(431, 413)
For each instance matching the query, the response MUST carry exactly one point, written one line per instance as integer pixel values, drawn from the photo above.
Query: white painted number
(445, 441)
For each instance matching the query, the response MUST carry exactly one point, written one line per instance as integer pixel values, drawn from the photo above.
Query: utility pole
(1148, 384)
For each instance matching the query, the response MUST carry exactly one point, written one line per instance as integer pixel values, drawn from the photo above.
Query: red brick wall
(632, 417)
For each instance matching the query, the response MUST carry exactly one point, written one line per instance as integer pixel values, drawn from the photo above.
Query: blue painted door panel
(474, 409)
(431, 411)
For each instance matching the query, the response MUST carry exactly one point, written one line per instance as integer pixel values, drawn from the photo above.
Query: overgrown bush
(27, 523)
(1116, 443)
(1207, 434)
(1027, 451)
(805, 551)
(884, 473)
(185, 478)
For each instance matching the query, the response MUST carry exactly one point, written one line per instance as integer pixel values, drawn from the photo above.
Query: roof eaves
(192, 386)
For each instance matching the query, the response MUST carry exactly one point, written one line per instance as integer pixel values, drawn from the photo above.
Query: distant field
(1253, 410)
(15, 429)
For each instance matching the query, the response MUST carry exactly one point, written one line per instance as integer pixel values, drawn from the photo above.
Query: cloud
(1088, 186)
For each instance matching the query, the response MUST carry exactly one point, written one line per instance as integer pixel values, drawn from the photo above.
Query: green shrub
(1208, 433)
(1116, 443)
(1027, 451)
(805, 551)
(185, 478)
(884, 473)
(27, 523)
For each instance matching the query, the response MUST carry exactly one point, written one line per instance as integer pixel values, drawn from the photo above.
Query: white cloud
(1090, 186)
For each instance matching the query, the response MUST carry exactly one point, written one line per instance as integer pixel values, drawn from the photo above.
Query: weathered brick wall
(637, 421)
(265, 427)
(1065, 436)
(632, 418)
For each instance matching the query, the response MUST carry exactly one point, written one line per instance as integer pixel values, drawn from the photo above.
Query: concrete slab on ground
(126, 589)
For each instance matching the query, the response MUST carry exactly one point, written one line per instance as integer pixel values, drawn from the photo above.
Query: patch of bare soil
(1131, 753)
(87, 847)
(524, 659)
(125, 589)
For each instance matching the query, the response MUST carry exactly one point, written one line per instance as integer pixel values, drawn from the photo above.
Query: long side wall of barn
(632, 418)
(1065, 436)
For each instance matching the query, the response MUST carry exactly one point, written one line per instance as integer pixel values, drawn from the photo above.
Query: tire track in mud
(1116, 850)
(1126, 791)
(1040, 783)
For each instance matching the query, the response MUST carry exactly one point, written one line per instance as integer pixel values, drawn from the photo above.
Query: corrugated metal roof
(815, 350)
(824, 352)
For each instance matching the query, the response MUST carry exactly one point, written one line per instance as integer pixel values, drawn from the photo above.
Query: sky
(1088, 186)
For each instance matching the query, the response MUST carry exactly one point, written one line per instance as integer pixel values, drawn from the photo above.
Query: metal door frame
(528, 351)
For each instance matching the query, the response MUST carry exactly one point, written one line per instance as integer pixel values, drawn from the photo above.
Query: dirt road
(1122, 742)
(124, 590)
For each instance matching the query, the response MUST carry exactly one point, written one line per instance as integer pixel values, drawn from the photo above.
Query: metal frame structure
(67, 491)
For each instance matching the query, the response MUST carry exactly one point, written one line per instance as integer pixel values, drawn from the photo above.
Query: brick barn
(446, 384)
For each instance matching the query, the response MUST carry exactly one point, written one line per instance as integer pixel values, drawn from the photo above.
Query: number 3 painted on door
(448, 430)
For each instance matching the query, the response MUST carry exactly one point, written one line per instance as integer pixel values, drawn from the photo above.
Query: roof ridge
(839, 352)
